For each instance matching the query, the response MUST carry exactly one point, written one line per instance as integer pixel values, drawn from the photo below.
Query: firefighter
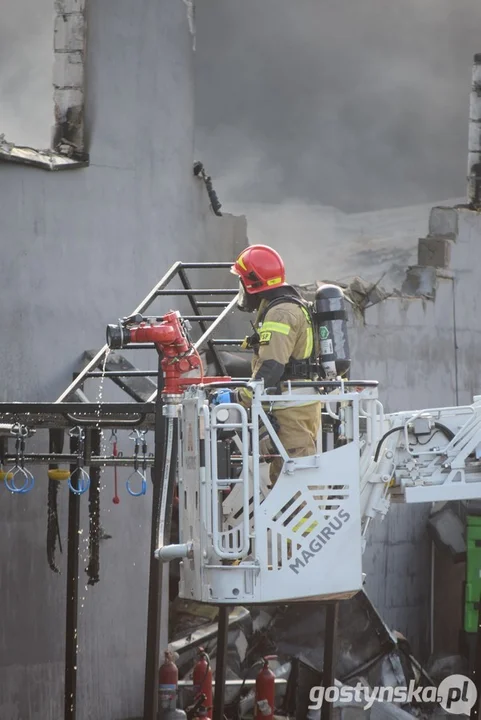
(282, 344)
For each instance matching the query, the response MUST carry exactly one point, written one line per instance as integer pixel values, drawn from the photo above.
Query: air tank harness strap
(251, 341)
(334, 315)
(298, 370)
(268, 450)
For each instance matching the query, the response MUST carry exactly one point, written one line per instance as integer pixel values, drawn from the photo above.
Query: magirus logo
(322, 538)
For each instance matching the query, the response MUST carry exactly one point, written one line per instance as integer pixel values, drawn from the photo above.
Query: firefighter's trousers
(298, 431)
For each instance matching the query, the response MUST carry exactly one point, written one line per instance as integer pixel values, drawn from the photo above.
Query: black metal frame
(73, 409)
(155, 568)
(161, 289)
(330, 655)
(221, 663)
(71, 601)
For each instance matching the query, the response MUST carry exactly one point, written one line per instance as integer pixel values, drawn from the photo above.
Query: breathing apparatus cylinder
(330, 318)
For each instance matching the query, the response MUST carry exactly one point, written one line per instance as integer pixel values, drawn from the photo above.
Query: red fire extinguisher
(202, 681)
(168, 680)
(265, 691)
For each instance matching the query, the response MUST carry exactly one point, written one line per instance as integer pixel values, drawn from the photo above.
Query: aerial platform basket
(299, 541)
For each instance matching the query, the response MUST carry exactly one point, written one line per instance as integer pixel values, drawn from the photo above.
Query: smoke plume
(26, 71)
(356, 104)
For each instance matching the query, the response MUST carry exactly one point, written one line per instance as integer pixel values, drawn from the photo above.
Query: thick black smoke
(357, 104)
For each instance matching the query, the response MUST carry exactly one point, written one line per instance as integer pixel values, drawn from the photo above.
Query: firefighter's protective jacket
(285, 333)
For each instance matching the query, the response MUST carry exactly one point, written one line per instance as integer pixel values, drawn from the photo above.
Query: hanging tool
(56, 440)
(115, 453)
(83, 480)
(138, 436)
(93, 568)
(20, 432)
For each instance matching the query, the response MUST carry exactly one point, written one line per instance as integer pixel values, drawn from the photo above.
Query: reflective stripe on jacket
(285, 334)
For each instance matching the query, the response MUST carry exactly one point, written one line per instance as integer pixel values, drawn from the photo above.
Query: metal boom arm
(419, 456)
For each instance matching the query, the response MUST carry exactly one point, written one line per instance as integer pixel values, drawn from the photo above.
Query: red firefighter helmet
(260, 268)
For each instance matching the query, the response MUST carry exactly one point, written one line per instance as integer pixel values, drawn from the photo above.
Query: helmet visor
(246, 302)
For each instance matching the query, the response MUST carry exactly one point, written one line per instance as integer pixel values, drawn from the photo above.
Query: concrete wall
(81, 248)
(318, 241)
(424, 351)
(422, 342)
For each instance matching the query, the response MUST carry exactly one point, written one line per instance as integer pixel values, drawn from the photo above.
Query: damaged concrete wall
(42, 76)
(421, 339)
(70, 41)
(424, 347)
(81, 248)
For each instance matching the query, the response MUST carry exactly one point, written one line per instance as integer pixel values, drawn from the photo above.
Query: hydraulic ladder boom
(304, 538)
(243, 543)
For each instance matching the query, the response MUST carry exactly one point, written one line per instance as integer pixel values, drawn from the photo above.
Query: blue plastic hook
(28, 484)
(143, 487)
(83, 483)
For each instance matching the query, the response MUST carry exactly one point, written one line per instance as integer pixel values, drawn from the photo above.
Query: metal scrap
(45, 159)
(368, 652)
(359, 293)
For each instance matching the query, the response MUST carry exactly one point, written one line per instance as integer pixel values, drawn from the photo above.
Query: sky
(26, 66)
(356, 104)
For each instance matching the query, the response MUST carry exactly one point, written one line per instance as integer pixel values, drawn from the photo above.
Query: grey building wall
(421, 340)
(81, 248)
(423, 347)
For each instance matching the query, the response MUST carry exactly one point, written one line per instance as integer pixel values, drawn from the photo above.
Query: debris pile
(370, 657)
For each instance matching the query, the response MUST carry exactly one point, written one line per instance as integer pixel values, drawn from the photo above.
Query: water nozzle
(117, 336)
